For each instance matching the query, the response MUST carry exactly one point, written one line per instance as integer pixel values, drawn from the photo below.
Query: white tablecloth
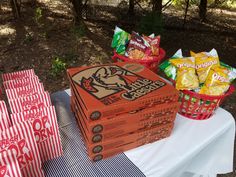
(194, 149)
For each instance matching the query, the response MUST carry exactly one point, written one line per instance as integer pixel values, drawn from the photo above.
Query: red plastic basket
(150, 64)
(200, 106)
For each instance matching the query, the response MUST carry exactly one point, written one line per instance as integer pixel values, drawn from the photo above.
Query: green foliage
(211, 3)
(38, 15)
(151, 23)
(58, 66)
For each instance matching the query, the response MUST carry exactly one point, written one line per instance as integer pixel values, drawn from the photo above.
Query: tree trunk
(78, 7)
(157, 6)
(131, 7)
(203, 10)
(15, 8)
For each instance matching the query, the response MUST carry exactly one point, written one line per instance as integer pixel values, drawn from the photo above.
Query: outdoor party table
(194, 149)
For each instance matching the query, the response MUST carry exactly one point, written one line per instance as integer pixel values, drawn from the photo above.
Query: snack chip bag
(154, 43)
(120, 40)
(232, 71)
(20, 137)
(46, 131)
(204, 61)
(217, 82)
(137, 48)
(186, 78)
(168, 68)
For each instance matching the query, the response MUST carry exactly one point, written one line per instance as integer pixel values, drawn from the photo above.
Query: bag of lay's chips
(217, 81)
(168, 68)
(186, 78)
(204, 61)
(120, 40)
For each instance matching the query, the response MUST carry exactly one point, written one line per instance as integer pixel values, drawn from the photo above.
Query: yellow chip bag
(186, 78)
(204, 62)
(217, 81)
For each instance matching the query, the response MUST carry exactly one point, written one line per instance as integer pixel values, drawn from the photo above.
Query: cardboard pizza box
(126, 123)
(126, 147)
(113, 89)
(139, 137)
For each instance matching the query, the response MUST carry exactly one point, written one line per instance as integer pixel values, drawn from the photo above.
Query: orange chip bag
(186, 78)
(204, 61)
(217, 81)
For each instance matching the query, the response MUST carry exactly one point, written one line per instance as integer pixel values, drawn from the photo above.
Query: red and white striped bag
(18, 75)
(24, 91)
(4, 121)
(20, 138)
(46, 131)
(9, 166)
(3, 108)
(30, 102)
(4, 116)
(12, 84)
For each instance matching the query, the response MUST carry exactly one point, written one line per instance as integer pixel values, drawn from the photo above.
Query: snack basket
(199, 106)
(150, 64)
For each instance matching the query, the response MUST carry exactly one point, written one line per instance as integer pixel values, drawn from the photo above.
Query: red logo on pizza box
(111, 83)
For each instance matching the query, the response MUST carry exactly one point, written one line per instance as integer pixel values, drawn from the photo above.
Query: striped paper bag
(30, 102)
(4, 122)
(18, 75)
(29, 81)
(46, 131)
(20, 138)
(3, 108)
(9, 166)
(4, 116)
(24, 91)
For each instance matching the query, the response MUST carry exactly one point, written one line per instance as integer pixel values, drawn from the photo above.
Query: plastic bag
(120, 40)
(186, 78)
(204, 61)
(168, 68)
(217, 82)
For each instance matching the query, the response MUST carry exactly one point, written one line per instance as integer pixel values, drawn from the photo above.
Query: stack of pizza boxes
(121, 106)
(29, 136)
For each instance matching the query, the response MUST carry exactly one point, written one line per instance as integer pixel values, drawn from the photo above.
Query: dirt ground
(28, 43)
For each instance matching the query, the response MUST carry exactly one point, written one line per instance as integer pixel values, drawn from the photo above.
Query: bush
(151, 23)
(58, 66)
